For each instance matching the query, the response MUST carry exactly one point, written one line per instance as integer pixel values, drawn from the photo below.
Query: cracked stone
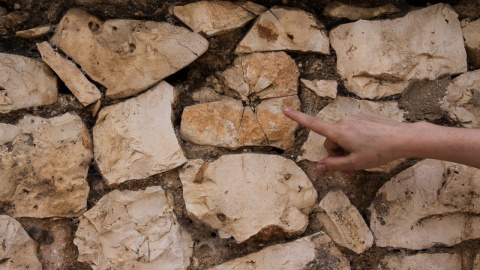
(135, 139)
(133, 230)
(339, 10)
(471, 35)
(126, 56)
(35, 32)
(436, 201)
(44, 164)
(85, 91)
(25, 83)
(285, 29)
(216, 17)
(440, 261)
(249, 196)
(323, 88)
(398, 51)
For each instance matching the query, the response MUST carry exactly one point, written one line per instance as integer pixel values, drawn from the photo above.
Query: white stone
(471, 34)
(285, 29)
(353, 13)
(432, 203)
(379, 58)
(249, 195)
(24, 83)
(135, 139)
(323, 88)
(437, 261)
(35, 32)
(126, 56)
(44, 164)
(133, 230)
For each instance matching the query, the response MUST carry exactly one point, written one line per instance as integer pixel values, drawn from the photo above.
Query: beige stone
(323, 88)
(206, 94)
(126, 56)
(18, 251)
(285, 29)
(312, 252)
(471, 34)
(462, 101)
(251, 7)
(215, 17)
(339, 10)
(343, 223)
(398, 51)
(133, 230)
(85, 91)
(35, 32)
(44, 165)
(135, 139)
(249, 195)
(24, 83)
(438, 261)
(432, 203)
(476, 262)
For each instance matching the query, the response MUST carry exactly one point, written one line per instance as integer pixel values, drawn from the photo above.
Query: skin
(367, 140)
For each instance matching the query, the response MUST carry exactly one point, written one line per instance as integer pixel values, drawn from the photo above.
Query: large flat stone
(379, 58)
(339, 10)
(438, 261)
(471, 34)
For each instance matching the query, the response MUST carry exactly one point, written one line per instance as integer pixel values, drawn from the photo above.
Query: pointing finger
(321, 127)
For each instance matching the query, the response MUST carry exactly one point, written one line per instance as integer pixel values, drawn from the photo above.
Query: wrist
(413, 139)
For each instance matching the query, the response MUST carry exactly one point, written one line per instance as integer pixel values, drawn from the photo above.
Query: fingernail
(287, 110)
(321, 168)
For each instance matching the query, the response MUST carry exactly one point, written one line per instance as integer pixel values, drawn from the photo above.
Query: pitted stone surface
(44, 164)
(248, 195)
(323, 88)
(133, 230)
(471, 34)
(399, 51)
(440, 261)
(432, 203)
(126, 56)
(135, 139)
(353, 13)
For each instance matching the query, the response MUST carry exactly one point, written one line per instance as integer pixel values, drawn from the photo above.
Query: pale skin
(367, 140)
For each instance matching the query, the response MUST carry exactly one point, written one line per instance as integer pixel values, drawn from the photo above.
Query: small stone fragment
(316, 251)
(340, 10)
(133, 230)
(323, 88)
(12, 20)
(471, 34)
(432, 203)
(476, 262)
(34, 32)
(96, 108)
(437, 261)
(247, 195)
(285, 29)
(85, 91)
(24, 83)
(206, 94)
(3, 11)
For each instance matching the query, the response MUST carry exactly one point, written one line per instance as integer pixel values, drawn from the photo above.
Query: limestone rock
(438, 261)
(471, 34)
(135, 139)
(24, 83)
(339, 10)
(312, 252)
(343, 222)
(133, 230)
(251, 7)
(44, 164)
(437, 203)
(323, 88)
(462, 101)
(285, 29)
(34, 32)
(313, 149)
(399, 51)
(18, 251)
(215, 17)
(85, 91)
(126, 56)
(249, 195)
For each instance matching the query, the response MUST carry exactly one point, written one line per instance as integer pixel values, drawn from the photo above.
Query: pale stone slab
(379, 58)
(249, 195)
(18, 251)
(437, 261)
(133, 230)
(35, 32)
(432, 203)
(340, 10)
(44, 164)
(471, 34)
(25, 82)
(126, 56)
(285, 29)
(323, 88)
(343, 222)
(85, 91)
(135, 139)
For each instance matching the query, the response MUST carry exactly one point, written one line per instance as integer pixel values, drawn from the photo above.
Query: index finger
(316, 125)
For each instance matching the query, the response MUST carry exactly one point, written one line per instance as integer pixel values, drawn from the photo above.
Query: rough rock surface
(215, 17)
(126, 56)
(285, 29)
(34, 32)
(399, 51)
(18, 251)
(248, 195)
(353, 13)
(312, 252)
(462, 101)
(133, 230)
(85, 91)
(471, 34)
(313, 149)
(343, 222)
(24, 83)
(323, 88)
(44, 164)
(438, 261)
(436, 202)
(135, 139)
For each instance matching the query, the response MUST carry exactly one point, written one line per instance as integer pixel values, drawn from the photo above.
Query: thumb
(336, 163)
